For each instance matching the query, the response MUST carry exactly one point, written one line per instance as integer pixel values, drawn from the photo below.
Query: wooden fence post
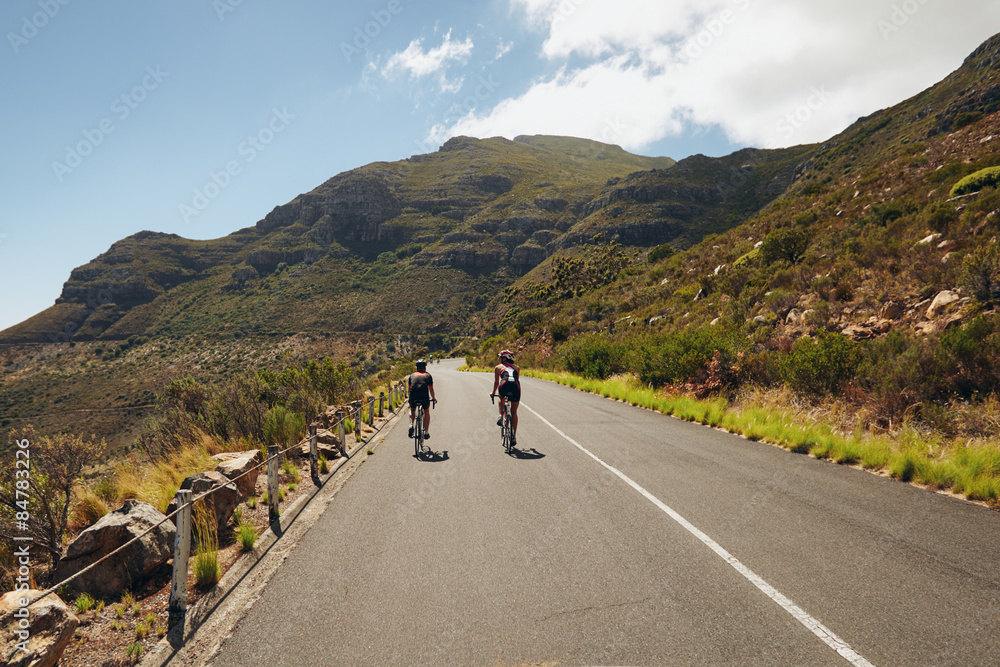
(182, 550)
(272, 483)
(371, 411)
(313, 459)
(381, 404)
(342, 432)
(356, 409)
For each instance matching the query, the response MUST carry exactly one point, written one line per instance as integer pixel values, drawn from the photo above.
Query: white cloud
(419, 63)
(503, 48)
(768, 72)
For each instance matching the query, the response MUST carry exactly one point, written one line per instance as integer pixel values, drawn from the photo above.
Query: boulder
(223, 501)
(941, 302)
(241, 468)
(130, 566)
(892, 310)
(51, 629)
(327, 444)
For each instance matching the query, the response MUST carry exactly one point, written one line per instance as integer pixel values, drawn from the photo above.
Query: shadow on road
(430, 456)
(527, 454)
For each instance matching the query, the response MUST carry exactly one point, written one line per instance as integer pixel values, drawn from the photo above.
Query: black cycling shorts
(419, 400)
(510, 391)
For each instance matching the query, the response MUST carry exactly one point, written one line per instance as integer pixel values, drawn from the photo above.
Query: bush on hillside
(673, 357)
(821, 365)
(659, 252)
(940, 216)
(981, 273)
(989, 177)
(528, 320)
(592, 356)
(559, 330)
(784, 244)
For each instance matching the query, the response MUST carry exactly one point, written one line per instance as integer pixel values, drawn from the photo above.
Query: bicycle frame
(418, 430)
(506, 435)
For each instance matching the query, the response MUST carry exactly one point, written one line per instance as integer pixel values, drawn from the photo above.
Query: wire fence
(181, 515)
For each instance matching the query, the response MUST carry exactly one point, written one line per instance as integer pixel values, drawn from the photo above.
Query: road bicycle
(418, 429)
(506, 434)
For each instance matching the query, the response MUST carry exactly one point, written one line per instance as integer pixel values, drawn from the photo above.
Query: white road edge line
(814, 626)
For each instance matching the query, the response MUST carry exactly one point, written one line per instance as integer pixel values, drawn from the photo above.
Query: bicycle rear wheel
(418, 432)
(508, 436)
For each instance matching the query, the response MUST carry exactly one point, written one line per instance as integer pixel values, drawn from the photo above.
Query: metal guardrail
(177, 605)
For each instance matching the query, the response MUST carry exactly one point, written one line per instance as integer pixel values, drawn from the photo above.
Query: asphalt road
(702, 549)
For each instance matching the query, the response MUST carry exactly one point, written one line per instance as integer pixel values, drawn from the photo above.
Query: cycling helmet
(421, 364)
(506, 354)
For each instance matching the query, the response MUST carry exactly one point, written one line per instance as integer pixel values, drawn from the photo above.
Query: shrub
(784, 244)
(974, 182)
(282, 426)
(559, 331)
(981, 273)
(940, 216)
(57, 463)
(592, 356)
(821, 365)
(659, 252)
(673, 357)
(883, 214)
(527, 320)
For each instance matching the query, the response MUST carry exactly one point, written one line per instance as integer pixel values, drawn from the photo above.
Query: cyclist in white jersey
(507, 384)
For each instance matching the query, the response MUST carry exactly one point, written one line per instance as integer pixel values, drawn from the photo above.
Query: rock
(51, 629)
(794, 316)
(242, 468)
(893, 310)
(943, 299)
(928, 239)
(130, 566)
(223, 501)
(329, 448)
(856, 332)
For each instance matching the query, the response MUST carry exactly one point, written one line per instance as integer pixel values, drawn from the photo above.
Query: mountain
(871, 238)
(448, 220)
(458, 243)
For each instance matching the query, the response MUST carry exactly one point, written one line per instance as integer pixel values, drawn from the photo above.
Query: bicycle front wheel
(418, 433)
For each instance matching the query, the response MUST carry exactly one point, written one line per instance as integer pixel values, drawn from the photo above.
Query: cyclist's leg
(503, 402)
(513, 416)
(427, 418)
(413, 409)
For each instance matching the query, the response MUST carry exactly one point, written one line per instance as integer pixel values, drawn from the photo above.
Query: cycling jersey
(510, 385)
(419, 384)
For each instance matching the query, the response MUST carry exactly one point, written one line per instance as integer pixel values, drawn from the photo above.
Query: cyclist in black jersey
(421, 388)
(507, 384)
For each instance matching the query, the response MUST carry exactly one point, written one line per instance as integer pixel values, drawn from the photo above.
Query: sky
(197, 117)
